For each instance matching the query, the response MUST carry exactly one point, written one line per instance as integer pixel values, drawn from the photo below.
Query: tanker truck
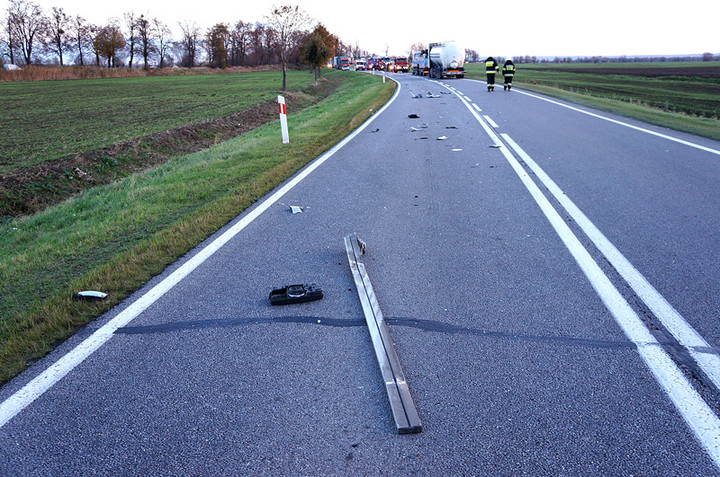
(446, 60)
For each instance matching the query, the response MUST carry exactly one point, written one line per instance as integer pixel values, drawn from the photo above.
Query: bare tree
(286, 21)
(25, 22)
(80, 31)
(9, 43)
(163, 40)
(239, 41)
(190, 42)
(145, 33)
(131, 24)
(58, 38)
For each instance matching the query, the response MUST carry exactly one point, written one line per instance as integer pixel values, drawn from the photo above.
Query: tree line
(32, 36)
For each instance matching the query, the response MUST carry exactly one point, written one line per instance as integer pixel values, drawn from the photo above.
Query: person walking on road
(491, 67)
(508, 72)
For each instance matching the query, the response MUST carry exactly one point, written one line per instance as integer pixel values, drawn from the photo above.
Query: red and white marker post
(283, 120)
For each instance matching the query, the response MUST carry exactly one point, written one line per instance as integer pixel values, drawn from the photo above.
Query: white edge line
(686, 335)
(37, 386)
(477, 108)
(489, 120)
(694, 410)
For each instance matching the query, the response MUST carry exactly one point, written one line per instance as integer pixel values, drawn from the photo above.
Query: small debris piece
(375, 130)
(496, 146)
(450, 127)
(91, 295)
(442, 138)
(295, 294)
(456, 150)
(413, 116)
(296, 209)
(424, 137)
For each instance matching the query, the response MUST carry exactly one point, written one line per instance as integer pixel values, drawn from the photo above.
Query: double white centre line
(694, 410)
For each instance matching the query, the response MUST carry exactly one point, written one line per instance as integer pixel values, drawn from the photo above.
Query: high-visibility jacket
(491, 67)
(508, 70)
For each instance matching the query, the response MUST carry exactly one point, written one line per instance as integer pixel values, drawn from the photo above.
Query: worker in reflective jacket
(508, 72)
(491, 67)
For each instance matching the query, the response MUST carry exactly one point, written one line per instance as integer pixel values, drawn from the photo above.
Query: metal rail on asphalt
(403, 408)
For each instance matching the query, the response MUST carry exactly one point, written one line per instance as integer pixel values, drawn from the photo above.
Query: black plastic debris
(90, 295)
(295, 294)
(413, 116)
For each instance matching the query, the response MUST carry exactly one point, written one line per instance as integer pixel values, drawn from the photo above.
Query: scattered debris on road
(413, 116)
(442, 138)
(295, 294)
(91, 295)
(296, 209)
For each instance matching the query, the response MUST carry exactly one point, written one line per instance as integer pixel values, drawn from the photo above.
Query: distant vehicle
(446, 60)
(339, 61)
(420, 63)
(360, 65)
(400, 63)
(11, 67)
(345, 67)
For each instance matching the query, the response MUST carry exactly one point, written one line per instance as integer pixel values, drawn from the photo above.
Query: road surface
(547, 273)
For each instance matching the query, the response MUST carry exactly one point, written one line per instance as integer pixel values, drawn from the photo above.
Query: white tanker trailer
(446, 60)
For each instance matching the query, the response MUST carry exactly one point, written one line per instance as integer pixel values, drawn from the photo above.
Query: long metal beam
(403, 407)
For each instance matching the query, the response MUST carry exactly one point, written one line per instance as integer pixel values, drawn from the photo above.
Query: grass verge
(687, 103)
(115, 237)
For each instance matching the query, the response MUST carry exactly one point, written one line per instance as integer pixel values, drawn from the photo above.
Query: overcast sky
(509, 28)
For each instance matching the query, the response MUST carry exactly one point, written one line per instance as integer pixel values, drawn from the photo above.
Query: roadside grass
(115, 237)
(45, 120)
(689, 103)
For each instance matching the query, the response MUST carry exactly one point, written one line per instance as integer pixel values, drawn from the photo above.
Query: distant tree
(145, 32)
(26, 22)
(707, 57)
(216, 44)
(286, 21)
(163, 40)
(239, 42)
(57, 38)
(190, 42)
(108, 42)
(8, 41)
(417, 47)
(81, 35)
(317, 48)
(131, 24)
(471, 55)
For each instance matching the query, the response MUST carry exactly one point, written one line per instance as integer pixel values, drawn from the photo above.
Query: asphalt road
(525, 348)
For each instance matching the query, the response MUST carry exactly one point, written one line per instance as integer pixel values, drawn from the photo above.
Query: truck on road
(444, 60)
(341, 62)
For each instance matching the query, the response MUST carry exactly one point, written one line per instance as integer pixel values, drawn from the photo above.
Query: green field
(682, 96)
(45, 120)
(116, 236)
